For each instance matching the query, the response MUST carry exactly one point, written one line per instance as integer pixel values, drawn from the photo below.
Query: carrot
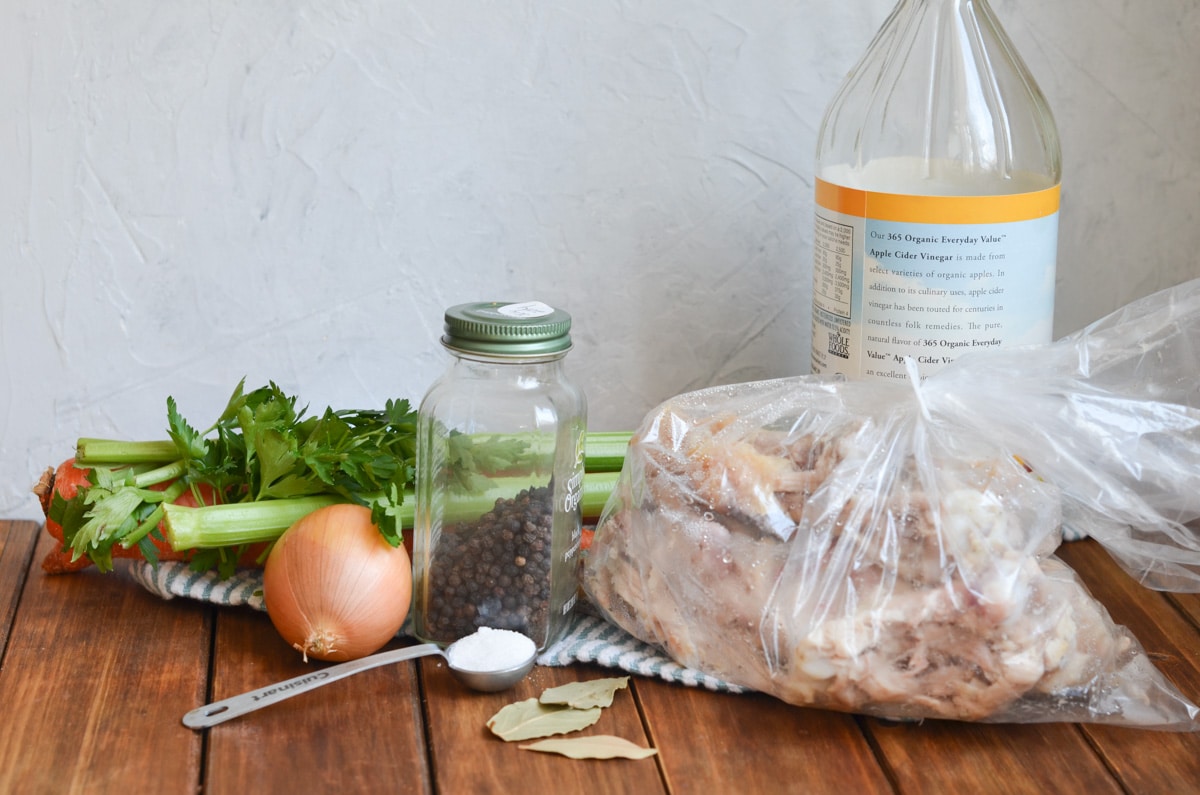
(66, 480)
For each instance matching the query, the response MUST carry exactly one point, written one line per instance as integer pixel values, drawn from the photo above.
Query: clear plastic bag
(887, 549)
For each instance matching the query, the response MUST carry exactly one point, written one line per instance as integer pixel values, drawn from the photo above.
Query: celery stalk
(214, 526)
(107, 452)
(169, 495)
(604, 451)
(163, 474)
(597, 486)
(236, 523)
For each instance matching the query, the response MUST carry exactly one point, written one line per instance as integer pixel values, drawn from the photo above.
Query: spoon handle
(232, 707)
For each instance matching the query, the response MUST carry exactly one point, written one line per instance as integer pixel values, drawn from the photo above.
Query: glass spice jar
(499, 479)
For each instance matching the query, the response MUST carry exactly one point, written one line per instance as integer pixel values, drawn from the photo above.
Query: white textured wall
(199, 191)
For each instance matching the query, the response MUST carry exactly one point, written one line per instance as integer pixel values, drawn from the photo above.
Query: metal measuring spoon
(251, 700)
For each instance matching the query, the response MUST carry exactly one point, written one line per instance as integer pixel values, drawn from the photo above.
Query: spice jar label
(526, 309)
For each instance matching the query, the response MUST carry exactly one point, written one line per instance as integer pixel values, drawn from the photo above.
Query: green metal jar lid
(507, 328)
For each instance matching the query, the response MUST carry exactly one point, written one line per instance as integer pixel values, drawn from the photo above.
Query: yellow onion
(333, 586)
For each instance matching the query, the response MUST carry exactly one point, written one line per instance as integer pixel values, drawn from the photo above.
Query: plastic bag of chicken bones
(888, 549)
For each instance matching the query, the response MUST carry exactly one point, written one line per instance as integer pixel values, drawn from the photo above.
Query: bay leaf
(585, 695)
(525, 720)
(600, 746)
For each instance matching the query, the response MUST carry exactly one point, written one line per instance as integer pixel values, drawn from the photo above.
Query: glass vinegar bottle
(937, 195)
(500, 461)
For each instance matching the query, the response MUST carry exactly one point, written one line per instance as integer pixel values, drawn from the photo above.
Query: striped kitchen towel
(591, 639)
(169, 579)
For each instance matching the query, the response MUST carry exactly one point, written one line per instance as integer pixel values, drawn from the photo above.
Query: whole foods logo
(839, 345)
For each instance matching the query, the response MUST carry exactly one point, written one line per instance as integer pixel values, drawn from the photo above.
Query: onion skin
(334, 588)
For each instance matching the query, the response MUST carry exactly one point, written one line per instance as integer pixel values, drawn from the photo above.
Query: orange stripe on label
(937, 209)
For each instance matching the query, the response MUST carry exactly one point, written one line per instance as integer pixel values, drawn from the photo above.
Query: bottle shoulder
(941, 83)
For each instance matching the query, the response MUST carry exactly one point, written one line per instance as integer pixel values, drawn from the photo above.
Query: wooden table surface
(96, 674)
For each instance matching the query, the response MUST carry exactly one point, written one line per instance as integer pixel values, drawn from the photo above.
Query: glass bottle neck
(941, 103)
(942, 4)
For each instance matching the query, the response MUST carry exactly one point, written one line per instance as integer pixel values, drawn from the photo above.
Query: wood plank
(17, 542)
(1189, 605)
(96, 676)
(721, 742)
(950, 756)
(360, 734)
(131, 664)
(469, 758)
(1145, 761)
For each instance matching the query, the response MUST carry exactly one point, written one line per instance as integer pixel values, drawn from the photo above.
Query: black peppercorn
(495, 571)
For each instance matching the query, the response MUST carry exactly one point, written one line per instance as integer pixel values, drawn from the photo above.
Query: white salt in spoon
(487, 681)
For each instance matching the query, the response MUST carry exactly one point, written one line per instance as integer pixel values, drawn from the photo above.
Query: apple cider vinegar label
(928, 277)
